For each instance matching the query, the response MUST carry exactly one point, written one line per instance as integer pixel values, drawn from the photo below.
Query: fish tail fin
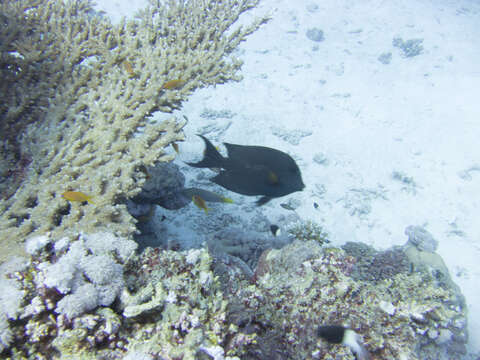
(90, 200)
(211, 157)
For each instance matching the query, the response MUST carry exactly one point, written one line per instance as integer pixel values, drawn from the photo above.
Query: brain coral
(78, 98)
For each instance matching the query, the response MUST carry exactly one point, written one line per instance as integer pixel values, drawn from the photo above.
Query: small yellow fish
(129, 69)
(173, 84)
(227, 200)
(201, 204)
(77, 196)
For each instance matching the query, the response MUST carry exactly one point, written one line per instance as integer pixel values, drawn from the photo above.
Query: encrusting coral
(78, 95)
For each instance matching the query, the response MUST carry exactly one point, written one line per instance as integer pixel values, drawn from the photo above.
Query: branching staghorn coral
(78, 99)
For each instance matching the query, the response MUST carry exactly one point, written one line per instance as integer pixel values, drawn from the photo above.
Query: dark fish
(337, 334)
(275, 230)
(253, 170)
(287, 206)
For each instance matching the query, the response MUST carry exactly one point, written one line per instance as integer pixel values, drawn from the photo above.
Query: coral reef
(61, 282)
(163, 187)
(407, 315)
(170, 305)
(88, 271)
(180, 296)
(372, 265)
(420, 250)
(79, 98)
(245, 245)
(11, 298)
(189, 305)
(421, 238)
(308, 230)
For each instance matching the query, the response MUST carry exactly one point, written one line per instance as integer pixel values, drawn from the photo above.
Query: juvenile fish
(201, 204)
(173, 84)
(208, 196)
(129, 69)
(77, 196)
(337, 334)
(275, 230)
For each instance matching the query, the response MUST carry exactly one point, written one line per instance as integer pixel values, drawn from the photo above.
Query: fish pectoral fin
(263, 200)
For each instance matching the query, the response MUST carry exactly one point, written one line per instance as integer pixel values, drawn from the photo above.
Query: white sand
(418, 116)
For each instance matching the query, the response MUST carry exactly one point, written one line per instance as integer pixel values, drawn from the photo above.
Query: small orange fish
(173, 84)
(201, 204)
(77, 196)
(129, 69)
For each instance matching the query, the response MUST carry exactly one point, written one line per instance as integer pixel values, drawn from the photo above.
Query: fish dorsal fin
(211, 157)
(254, 155)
